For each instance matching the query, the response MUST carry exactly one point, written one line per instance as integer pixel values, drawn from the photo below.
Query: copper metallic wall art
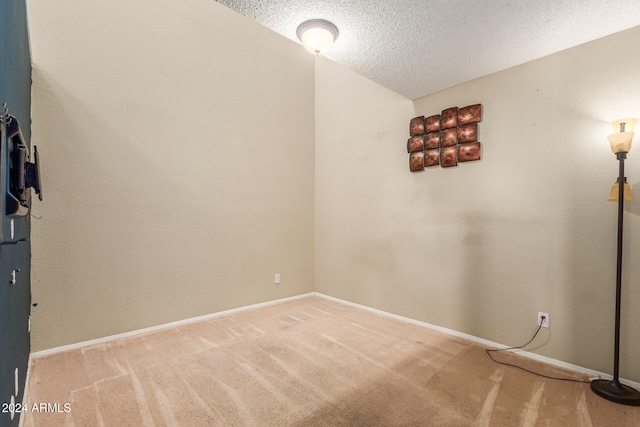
(416, 161)
(445, 139)
(415, 143)
(432, 157)
(469, 152)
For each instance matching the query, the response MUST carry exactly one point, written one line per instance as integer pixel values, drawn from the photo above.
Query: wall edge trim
(540, 358)
(555, 362)
(177, 323)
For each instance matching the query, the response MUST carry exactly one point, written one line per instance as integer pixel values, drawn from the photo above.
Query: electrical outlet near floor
(543, 319)
(276, 279)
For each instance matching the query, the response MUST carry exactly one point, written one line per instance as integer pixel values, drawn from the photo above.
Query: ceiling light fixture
(317, 35)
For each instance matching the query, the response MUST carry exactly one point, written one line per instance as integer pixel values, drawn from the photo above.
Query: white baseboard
(554, 362)
(25, 397)
(175, 324)
(575, 368)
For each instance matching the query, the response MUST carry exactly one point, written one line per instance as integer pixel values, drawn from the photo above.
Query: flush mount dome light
(317, 35)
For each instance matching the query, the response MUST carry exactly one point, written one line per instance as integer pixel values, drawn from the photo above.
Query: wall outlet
(543, 319)
(276, 280)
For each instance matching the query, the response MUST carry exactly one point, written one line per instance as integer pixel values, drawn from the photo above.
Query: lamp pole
(616, 352)
(613, 390)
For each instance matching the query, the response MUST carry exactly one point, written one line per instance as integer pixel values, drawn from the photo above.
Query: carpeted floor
(308, 362)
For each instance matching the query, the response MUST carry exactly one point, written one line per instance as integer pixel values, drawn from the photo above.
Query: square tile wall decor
(444, 139)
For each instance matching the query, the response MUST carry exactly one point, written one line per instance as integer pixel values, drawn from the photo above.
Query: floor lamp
(612, 389)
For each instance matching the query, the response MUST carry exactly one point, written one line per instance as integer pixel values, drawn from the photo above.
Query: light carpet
(307, 362)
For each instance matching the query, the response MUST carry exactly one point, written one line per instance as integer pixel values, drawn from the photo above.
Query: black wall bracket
(22, 173)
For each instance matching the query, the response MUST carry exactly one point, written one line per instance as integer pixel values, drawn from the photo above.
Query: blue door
(15, 250)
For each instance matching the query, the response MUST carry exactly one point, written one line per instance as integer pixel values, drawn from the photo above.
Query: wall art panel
(444, 139)
(416, 161)
(449, 118)
(432, 158)
(448, 157)
(469, 152)
(448, 137)
(416, 126)
(415, 143)
(470, 114)
(467, 133)
(433, 123)
(432, 140)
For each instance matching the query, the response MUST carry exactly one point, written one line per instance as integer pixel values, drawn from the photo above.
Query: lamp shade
(317, 35)
(621, 139)
(629, 125)
(613, 195)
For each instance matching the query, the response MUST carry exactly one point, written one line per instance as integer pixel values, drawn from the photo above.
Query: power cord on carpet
(535, 334)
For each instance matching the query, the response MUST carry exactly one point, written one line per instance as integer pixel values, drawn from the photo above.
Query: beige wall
(483, 247)
(177, 142)
(178, 147)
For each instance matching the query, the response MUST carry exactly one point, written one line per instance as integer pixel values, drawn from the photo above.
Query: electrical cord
(535, 334)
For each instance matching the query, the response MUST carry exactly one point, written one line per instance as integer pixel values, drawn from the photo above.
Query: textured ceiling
(418, 47)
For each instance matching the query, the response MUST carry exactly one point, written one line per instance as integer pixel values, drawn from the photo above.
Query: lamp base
(616, 392)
